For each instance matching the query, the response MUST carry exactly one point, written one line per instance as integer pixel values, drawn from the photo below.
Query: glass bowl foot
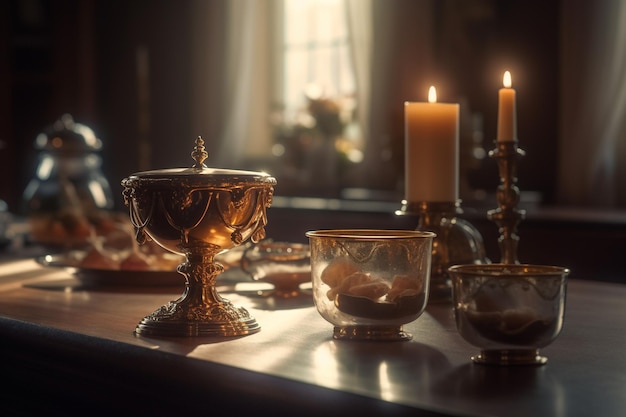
(511, 357)
(374, 333)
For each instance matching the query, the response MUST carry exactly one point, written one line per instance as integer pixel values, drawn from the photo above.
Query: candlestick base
(457, 242)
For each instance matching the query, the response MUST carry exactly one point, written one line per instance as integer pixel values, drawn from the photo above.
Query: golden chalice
(198, 212)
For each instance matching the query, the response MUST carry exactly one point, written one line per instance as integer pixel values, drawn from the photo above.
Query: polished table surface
(66, 347)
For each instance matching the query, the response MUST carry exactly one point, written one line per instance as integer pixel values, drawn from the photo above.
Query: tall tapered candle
(507, 115)
(431, 150)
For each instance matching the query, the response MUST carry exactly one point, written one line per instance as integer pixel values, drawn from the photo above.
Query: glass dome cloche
(68, 196)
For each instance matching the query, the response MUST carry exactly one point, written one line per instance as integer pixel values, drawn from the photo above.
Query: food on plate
(118, 250)
(136, 261)
(70, 227)
(97, 258)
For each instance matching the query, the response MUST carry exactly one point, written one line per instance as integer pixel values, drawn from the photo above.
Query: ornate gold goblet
(198, 212)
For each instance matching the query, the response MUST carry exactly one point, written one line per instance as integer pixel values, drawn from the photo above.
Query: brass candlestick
(507, 216)
(457, 241)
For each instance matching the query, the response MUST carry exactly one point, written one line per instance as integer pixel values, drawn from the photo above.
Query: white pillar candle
(431, 150)
(507, 117)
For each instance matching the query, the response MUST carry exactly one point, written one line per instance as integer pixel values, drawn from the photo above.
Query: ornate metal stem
(507, 216)
(200, 310)
(457, 241)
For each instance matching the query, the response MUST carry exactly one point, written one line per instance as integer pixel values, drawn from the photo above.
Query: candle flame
(432, 94)
(506, 80)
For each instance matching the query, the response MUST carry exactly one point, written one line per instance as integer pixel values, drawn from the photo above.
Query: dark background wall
(81, 57)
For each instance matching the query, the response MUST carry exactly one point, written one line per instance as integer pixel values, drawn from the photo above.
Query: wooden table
(71, 350)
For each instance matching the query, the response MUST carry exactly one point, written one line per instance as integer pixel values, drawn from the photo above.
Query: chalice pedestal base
(221, 320)
(200, 310)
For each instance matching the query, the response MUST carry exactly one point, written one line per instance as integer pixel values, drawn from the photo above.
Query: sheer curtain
(593, 126)
(246, 134)
(362, 31)
(233, 45)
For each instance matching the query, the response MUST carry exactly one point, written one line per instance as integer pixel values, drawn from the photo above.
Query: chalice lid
(199, 173)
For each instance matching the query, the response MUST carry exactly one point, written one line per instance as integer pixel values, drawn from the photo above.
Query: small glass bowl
(368, 283)
(509, 311)
(284, 265)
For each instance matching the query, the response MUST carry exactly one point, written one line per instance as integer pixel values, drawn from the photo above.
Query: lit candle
(431, 150)
(507, 117)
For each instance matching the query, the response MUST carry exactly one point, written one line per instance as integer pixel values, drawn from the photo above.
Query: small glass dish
(369, 283)
(509, 311)
(287, 266)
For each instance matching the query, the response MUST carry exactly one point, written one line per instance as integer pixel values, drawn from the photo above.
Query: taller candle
(431, 150)
(507, 115)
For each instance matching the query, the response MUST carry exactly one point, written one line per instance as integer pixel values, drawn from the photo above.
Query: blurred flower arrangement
(318, 143)
(322, 115)
(327, 113)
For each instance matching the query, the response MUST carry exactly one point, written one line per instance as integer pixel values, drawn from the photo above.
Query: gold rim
(370, 234)
(508, 270)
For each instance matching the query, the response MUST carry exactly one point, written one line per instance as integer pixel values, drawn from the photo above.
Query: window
(316, 52)
(317, 137)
